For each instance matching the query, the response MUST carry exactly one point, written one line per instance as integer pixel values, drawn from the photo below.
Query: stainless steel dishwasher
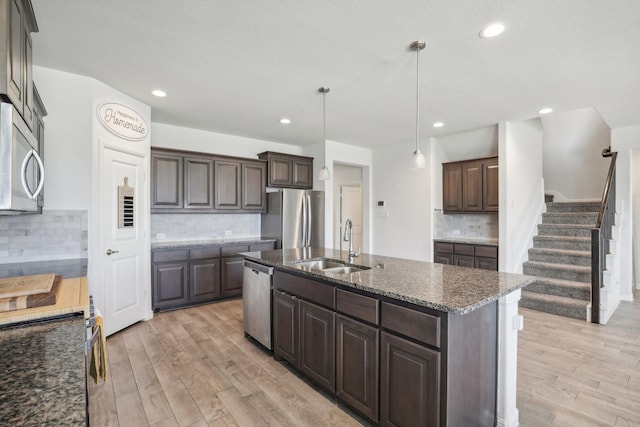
(256, 295)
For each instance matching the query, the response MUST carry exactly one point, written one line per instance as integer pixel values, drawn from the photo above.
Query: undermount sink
(329, 266)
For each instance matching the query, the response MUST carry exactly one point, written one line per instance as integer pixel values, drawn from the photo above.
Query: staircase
(561, 260)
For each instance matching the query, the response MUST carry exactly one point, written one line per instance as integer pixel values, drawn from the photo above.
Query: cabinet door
(232, 274)
(490, 194)
(317, 344)
(166, 181)
(16, 66)
(452, 188)
(302, 173)
(254, 195)
(463, 260)
(280, 169)
(170, 284)
(472, 187)
(27, 84)
(486, 263)
(409, 383)
(286, 327)
(204, 280)
(441, 258)
(198, 183)
(357, 365)
(227, 184)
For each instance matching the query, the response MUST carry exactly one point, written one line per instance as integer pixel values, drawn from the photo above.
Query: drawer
(310, 290)
(358, 306)
(463, 249)
(487, 251)
(234, 250)
(202, 253)
(414, 324)
(443, 247)
(167, 255)
(266, 246)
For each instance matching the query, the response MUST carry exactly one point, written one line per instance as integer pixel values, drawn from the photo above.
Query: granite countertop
(469, 240)
(174, 244)
(42, 374)
(447, 288)
(67, 268)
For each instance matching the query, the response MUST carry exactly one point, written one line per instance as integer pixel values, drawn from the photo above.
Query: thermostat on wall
(380, 202)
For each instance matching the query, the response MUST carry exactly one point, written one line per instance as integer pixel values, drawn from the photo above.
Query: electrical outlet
(161, 236)
(227, 233)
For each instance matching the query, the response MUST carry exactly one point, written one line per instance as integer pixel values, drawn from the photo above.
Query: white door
(351, 208)
(123, 240)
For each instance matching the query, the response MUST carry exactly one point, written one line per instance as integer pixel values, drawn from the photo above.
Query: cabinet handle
(109, 252)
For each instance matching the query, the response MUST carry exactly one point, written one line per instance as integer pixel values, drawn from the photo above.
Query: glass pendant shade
(324, 175)
(418, 161)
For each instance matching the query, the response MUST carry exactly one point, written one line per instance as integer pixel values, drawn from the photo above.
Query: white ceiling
(238, 66)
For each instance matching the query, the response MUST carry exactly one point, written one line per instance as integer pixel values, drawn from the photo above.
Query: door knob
(109, 252)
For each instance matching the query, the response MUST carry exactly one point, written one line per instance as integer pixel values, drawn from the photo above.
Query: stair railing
(601, 235)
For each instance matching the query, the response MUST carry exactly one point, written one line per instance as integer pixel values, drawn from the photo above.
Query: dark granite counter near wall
(468, 240)
(175, 244)
(68, 268)
(42, 374)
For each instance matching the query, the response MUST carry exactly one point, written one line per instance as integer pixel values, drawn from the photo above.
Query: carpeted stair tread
(570, 218)
(567, 307)
(554, 266)
(570, 230)
(576, 273)
(573, 207)
(562, 288)
(560, 256)
(562, 251)
(562, 242)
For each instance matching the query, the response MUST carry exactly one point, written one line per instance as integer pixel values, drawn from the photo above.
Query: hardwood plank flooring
(194, 367)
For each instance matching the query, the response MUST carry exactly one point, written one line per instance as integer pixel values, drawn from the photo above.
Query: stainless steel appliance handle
(23, 174)
(303, 243)
(309, 220)
(41, 174)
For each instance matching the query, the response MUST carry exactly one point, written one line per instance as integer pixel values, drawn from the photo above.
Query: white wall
(574, 168)
(625, 141)
(473, 144)
(402, 228)
(521, 190)
(635, 238)
(68, 138)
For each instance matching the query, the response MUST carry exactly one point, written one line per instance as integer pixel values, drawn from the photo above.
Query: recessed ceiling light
(438, 124)
(492, 30)
(285, 121)
(159, 93)
(545, 110)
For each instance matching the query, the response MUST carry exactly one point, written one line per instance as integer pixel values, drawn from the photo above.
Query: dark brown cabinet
(170, 278)
(232, 270)
(289, 171)
(227, 185)
(317, 343)
(409, 383)
(286, 343)
(188, 182)
(17, 22)
(357, 365)
(166, 181)
(198, 183)
(204, 274)
(470, 186)
(254, 182)
(466, 255)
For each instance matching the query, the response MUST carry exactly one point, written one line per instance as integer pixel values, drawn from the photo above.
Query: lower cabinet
(466, 255)
(409, 383)
(181, 277)
(395, 363)
(357, 365)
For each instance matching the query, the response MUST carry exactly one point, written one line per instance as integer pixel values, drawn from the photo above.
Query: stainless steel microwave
(21, 169)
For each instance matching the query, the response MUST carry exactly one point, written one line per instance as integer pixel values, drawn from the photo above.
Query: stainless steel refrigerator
(295, 218)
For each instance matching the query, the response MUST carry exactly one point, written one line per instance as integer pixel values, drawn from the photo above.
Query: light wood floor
(194, 367)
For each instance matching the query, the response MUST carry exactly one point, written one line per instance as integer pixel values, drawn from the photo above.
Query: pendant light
(324, 175)
(417, 160)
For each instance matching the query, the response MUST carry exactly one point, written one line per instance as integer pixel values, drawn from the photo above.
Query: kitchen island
(402, 342)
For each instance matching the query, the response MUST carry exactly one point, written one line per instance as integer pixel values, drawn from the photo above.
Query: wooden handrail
(607, 186)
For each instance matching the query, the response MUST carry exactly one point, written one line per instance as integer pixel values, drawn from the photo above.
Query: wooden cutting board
(30, 301)
(26, 285)
(72, 297)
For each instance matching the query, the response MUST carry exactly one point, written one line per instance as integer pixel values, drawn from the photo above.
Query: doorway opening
(348, 205)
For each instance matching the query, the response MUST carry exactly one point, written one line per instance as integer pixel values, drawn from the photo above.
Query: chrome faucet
(348, 237)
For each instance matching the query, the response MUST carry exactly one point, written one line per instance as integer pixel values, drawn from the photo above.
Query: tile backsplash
(53, 235)
(203, 226)
(469, 226)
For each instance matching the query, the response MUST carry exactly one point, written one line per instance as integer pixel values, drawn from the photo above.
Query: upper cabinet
(288, 171)
(183, 182)
(470, 186)
(17, 22)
